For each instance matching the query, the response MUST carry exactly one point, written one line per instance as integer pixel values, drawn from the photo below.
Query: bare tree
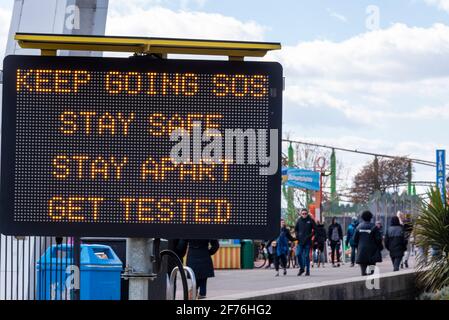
(379, 175)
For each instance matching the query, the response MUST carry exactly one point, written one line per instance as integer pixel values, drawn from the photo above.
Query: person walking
(282, 248)
(395, 242)
(304, 229)
(350, 238)
(368, 240)
(199, 259)
(408, 229)
(380, 227)
(319, 240)
(270, 253)
(292, 261)
(335, 235)
(173, 245)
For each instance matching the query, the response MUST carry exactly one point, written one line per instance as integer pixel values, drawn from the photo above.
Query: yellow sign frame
(49, 44)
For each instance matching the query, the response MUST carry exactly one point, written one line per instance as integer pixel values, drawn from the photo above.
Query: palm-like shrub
(442, 294)
(431, 231)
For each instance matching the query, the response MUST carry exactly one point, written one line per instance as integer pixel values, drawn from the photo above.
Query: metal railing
(27, 273)
(171, 285)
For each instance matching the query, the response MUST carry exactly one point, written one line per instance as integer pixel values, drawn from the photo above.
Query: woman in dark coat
(199, 259)
(318, 243)
(395, 242)
(368, 240)
(173, 245)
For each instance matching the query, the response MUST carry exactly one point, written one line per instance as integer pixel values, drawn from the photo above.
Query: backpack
(335, 236)
(282, 244)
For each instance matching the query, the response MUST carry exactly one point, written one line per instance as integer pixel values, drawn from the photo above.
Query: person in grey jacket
(335, 236)
(395, 242)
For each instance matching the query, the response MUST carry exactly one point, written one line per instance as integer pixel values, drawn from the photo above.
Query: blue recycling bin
(99, 275)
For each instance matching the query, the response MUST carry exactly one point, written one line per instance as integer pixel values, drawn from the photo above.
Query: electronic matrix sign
(88, 144)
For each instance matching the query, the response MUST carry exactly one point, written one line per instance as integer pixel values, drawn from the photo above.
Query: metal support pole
(333, 178)
(139, 266)
(77, 263)
(320, 205)
(409, 178)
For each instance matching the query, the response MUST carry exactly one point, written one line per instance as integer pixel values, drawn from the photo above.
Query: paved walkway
(227, 282)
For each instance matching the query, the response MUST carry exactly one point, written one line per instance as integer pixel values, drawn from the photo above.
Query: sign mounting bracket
(235, 50)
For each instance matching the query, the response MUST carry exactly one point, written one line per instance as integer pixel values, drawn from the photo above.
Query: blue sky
(291, 21)
(384, 90)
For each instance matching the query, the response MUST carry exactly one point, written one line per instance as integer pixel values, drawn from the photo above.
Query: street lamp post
(320, 164)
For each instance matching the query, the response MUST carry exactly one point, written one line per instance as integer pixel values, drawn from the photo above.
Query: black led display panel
(87, 147)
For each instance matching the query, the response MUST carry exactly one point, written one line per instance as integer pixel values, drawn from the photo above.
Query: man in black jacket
(304, 228)
(368, 240)
(335, 236)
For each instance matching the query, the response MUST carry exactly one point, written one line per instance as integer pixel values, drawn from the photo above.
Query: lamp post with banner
(441, 173)
(320, 165)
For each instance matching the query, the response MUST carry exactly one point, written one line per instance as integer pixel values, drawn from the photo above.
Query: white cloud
(384, 91)
(431, 112)
(129, 5)
(397, 53)
(157, 21)
(441, 4)
(373, 77)
(5, 20)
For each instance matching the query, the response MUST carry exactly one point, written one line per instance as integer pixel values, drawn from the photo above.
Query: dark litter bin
(99, 276)
(247, 254)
